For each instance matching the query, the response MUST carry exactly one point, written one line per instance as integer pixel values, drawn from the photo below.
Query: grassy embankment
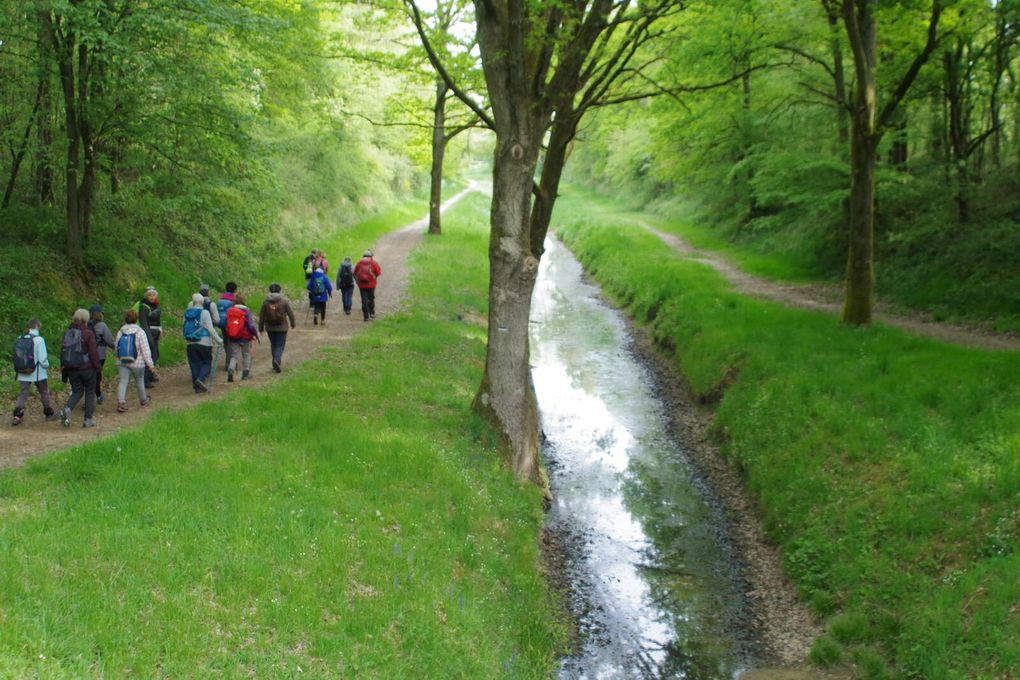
(351, 520)
(886, 466)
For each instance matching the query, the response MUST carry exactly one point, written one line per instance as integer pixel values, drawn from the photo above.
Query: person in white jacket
(132, 360)
(38, 377)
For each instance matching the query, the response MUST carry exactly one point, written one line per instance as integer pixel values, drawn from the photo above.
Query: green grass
(886, 466)
(350, 520)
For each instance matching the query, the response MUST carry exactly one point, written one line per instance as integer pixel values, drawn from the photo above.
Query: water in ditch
(651, 580)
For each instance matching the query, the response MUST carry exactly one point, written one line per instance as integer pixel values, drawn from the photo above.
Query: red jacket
(366, 265)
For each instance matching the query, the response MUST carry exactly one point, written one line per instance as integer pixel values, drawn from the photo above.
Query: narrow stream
(657, 594)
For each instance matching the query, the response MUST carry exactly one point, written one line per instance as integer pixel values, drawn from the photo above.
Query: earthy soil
(35, 436)
(828, 298)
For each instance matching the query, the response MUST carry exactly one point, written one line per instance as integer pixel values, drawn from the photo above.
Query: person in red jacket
(79, 364)
(365, 274)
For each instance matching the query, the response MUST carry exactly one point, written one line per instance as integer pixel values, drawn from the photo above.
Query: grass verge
(886, 466)
(351, 520)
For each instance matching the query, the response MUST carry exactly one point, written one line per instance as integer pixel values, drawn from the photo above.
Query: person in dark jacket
(149, 315)
(275, 318)
(319, 291)
(80, 368)
(104, 341)
(345, 282)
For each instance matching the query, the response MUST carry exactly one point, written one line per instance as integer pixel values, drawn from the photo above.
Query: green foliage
(343, 523)
(886, 465)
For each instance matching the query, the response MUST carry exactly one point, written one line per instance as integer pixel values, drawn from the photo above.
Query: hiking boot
(230, 376)
(122, 407)
(89, 422)
(50, 417)
(276, 365)
(100, 398)
(246, 375)
(16, 421)
(65, 417)
(145, 402)
(315, 320)
(200, 387)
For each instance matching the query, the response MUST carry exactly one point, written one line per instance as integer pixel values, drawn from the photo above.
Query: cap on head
(204, 289)
(274, 288)
(96, 308)
(368, 252)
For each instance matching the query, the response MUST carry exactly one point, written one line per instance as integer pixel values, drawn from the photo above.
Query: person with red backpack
(30, 363)
(241, 330)
(273, 317)
(79, 365)
(365, 274)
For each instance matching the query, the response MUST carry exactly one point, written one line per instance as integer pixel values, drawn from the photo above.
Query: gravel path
(828, 298)
(35, 437)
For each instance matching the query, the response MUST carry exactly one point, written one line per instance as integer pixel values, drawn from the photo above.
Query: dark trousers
(150, 376)
(83, 384)
(99, 378)
(367, 302)
(348, 298)
(277, 341)
(320, 309)
(200, 362)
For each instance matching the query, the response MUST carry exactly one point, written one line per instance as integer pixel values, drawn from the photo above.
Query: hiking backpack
(24, 355)
(364, 274)
(127, 352)
(346, 278)
(222, 306)
(193, 330)
(237, 324)
(319, 285)
(274, 315)
(72, 350)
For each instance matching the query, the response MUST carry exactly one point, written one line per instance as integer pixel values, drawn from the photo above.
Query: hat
(368, 253)
(204, 289)
(95, 308)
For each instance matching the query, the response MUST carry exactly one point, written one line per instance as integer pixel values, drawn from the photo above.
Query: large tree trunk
(438, 156)
(64, 54)
(505, 395)
(838, 76)
(44, 125)
(860, 270)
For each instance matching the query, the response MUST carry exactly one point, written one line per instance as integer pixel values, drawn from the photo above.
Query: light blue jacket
(42, 361)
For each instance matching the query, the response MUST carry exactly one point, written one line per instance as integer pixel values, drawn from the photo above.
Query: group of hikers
(88, 339)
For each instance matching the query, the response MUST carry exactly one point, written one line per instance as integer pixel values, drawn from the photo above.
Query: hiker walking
(320, 262)
(200, 336)
(345, 282)
(319, 290)
(149, 315)
(104, 340)
(79, 365)
(225, 302)
(207, 304)
(134, 358)
(241, 330)
(30, 363)
(307, 265)
(365, 273)
(274, 316)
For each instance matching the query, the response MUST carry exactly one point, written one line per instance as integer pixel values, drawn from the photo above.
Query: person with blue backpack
(30, 364)
(133, 358)
(319, 291)
(200, 336)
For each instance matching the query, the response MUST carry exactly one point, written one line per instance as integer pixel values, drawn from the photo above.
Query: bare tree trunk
(20, 155)
(44, 125)
(505, 395)
(438, 155)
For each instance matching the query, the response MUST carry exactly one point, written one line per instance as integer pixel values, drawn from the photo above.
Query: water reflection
(652, 579)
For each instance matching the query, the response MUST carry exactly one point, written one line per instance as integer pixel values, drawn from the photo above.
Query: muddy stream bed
(650, 577)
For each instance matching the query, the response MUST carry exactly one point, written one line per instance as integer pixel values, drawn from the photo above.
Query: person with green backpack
(200, 336)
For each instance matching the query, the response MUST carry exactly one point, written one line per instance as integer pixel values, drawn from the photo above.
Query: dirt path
(828, 298)
(174, 392)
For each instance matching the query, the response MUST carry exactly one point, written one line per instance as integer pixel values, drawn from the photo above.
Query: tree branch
(915, 67)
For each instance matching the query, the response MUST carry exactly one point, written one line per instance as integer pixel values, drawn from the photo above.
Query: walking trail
(827, 298)
(174, 392)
